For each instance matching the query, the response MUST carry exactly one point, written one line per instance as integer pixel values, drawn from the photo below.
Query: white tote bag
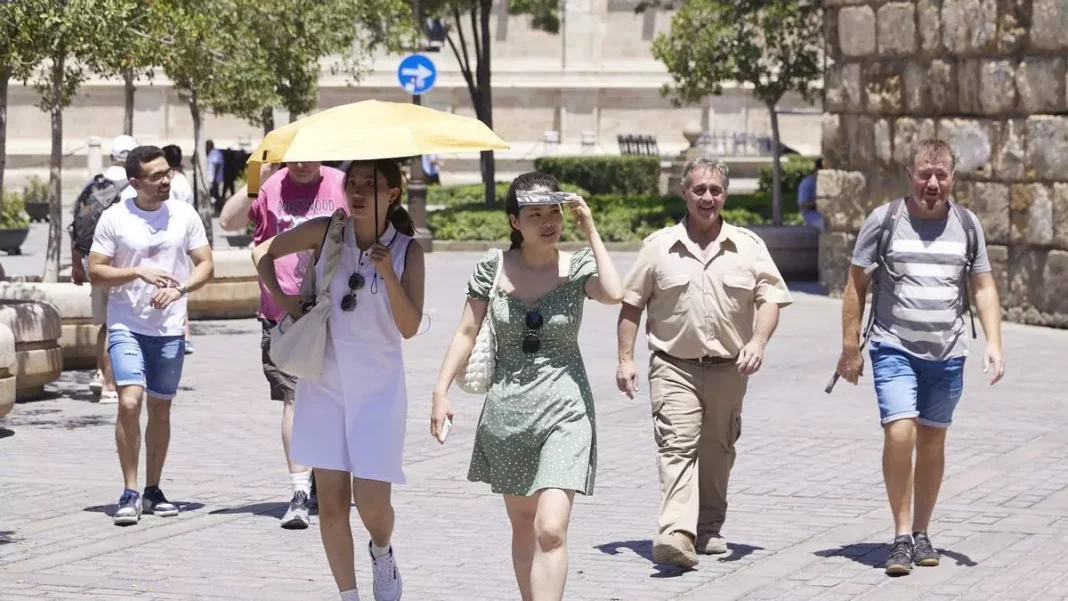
(476, 372)
(299, 344)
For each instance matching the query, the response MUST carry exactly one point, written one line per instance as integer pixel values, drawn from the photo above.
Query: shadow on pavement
(43, 418)
(874, 555)
(739, 551)
(183, 507)
(6, 537)
(5, 433)
(274, 509)
(644, 549)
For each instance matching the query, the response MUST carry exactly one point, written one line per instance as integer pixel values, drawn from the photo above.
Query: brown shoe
(711, 544)
(675, 548)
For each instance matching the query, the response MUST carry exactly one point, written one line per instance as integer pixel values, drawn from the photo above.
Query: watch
(181, 289)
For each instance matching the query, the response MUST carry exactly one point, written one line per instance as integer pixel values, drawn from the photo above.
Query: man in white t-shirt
(140, 251)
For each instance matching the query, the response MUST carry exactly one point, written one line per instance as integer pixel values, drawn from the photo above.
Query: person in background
(806, 198)
(181, 191)
(432, 169)
(216, 164)
(113, 187)
(296, 193)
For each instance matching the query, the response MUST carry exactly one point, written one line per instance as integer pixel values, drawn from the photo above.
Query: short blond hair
(932, 148)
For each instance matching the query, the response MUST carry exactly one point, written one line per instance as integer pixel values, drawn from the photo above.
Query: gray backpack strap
(886, 234)
(971, 252)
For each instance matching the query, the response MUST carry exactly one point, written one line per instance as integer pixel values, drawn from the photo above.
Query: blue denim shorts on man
(908, 387)
(153, 362)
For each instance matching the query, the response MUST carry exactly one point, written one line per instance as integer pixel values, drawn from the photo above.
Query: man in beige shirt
(704, 283)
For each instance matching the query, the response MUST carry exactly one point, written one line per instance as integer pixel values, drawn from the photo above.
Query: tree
(70, 36)
(298, 34)
(472, 50)
(215, 63)
(17, 60)
(776, 47)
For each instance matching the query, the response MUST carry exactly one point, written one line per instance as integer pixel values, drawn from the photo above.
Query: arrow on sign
(420, 73)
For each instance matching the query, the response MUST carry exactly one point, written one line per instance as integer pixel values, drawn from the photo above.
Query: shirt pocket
(739, 287)
(671, 288)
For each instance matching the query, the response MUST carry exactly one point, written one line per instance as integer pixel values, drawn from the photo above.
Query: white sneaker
(97, 383)
(109, 397)
(387, 579)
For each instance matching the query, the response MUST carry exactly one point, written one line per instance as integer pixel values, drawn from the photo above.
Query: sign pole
(417, 197)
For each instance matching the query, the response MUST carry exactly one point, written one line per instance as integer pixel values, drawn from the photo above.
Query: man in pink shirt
(296, 193)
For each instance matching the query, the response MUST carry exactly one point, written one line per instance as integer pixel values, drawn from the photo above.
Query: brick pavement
(808, 519)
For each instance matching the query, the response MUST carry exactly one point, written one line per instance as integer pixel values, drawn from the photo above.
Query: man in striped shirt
(920, 271)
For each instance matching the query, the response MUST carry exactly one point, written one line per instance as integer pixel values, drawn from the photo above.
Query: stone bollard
(7, 370)
(39, 358)
(94, 157)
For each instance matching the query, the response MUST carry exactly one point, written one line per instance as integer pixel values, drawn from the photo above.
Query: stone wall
(988, 76)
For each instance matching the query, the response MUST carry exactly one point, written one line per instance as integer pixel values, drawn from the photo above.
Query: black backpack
(100, 194)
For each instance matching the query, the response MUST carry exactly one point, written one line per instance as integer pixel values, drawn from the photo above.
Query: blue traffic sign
(417, 74)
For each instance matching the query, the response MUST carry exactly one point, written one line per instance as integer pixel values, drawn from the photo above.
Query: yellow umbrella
(368, 130)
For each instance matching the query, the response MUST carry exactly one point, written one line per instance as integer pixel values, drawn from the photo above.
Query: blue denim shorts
(908, 387)
(152, 362)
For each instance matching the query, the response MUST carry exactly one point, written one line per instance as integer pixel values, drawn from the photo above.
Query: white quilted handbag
(298, 345)
(476, 372)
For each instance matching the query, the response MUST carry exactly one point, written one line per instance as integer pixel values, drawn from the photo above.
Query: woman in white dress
(349, 423)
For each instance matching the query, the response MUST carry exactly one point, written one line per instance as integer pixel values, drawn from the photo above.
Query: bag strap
(331, 250)
(493, 288)
(886, 234)
(971, 251)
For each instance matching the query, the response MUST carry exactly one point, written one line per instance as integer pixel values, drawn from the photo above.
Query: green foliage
(298, 34)
(629, 175)
(619, 218)
(773, 46)
(794, 170)
(13, 212)
(475, 194)
(35, 191)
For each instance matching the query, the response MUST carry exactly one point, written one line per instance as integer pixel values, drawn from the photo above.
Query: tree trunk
(201, 198)
(5, 77)
(487, 159)
(268, 120)
(55, 173)
(128, 78)
(776, 185)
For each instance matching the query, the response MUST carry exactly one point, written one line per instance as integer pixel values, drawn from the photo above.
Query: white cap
(116, 174)
(121, 146)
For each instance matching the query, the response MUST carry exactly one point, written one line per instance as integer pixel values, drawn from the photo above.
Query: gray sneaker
(128, 512)
(901, 553)
(296, 517)
(925, 554)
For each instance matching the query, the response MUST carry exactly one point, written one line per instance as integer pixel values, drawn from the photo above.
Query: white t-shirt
(162, 238)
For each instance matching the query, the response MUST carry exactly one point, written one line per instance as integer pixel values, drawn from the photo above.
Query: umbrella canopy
(368, 130)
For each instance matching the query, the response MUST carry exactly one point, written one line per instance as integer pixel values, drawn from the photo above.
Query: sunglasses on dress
(356, 282)
(531, 343)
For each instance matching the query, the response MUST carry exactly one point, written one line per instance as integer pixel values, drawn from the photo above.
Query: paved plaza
(808, 517)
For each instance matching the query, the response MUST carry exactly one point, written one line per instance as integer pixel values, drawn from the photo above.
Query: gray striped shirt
(922, 310)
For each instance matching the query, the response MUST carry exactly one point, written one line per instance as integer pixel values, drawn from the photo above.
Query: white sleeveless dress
(352, 418)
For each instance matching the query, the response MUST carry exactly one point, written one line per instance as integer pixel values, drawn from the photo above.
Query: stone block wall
(989, 77)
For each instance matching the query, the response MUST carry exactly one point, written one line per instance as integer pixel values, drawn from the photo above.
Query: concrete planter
(78, 338)
(795, 249)
(11, 240)
(234, 292)
(38, 357)
(8, 362)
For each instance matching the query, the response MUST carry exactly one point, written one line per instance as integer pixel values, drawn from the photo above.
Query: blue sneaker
(189, 347)
(155, 503)
(129, 510)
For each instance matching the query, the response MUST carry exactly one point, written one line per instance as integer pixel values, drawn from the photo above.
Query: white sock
(379, 551)
(301, 481)
(353, 595)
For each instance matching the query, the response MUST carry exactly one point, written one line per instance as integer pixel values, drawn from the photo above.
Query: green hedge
(794, 169)
(627, 174)
(619, 218)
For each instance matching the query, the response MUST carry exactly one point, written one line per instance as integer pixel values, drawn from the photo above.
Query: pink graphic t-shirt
(283, 204)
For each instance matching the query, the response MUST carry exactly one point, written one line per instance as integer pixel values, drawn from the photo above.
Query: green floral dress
(537, 429)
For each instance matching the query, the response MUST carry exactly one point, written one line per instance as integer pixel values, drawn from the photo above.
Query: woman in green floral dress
(536, 439)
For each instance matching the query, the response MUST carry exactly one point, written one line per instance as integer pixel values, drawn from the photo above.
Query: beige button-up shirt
(699, 308)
